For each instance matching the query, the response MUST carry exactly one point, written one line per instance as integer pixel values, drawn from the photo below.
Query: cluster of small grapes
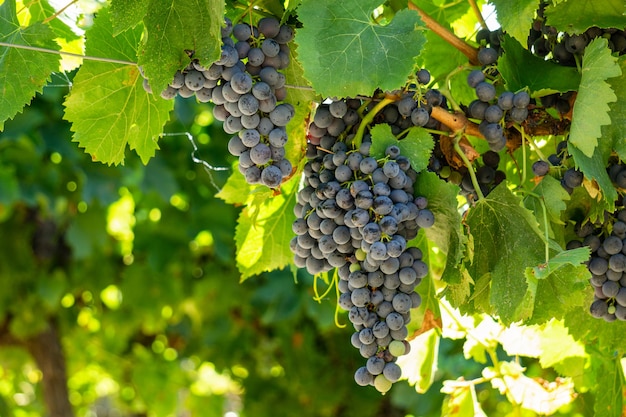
(247, 88)
(565, 48)
(492, 112)
(356, 213)
(571, 178)
(489, 43)
(607, 265)
(559, 101)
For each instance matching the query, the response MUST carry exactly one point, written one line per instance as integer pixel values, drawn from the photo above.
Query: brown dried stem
(468, 50)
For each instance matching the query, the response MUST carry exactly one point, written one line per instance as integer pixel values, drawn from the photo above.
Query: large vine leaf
(345, 54)
(516, 16)
(23, 73)
(174, 27)
(521, 69)
(127, 13)
(594, 168)
(264, 230)
(576, 16)
(594, 95)
(608, 386)
(446, 233)
(300, 99)
(551, 195)
(108, 107)
(559, 291)
(608, 336)
(616, 130)
(506, 240)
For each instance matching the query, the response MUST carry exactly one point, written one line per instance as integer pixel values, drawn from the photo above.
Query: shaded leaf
(521, 69)
(616, 130)
(446, 233)
(506, 240)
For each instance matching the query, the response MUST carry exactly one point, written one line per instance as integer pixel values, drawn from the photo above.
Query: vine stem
(456, 122)
(466, 49)
(52, 51)
(447, 93)
(478, 14)
(58, 13)
(545, 229)
(468, 164)
(368, 118)
(531, 143)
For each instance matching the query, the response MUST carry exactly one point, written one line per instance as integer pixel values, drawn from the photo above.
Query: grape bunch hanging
(357, 213)
(248, 91)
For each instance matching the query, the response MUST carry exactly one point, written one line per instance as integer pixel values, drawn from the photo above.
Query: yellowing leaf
(22, 72)
(108, 107)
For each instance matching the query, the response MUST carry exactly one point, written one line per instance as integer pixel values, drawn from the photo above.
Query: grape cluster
(557, 162)
(356, 213)
(489, 46)
(247, 89)
(607, 265)
(546, 41)
(492, 111)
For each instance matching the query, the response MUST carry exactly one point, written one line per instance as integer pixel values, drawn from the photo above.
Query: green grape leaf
(300, 99)
(263, 232)
(236, 190)
(22, 72)
(428, 313)
(441, 59)
(616, 130)
(521, 69)
(108, 107)
(576, 16)
(608, 336)
(516, 16)
(345, 54)
(562, 290)
(446, 233)
(608, 388)
(594, 168)
(506, 241)
(417, 145)
(174, 27)
(126, 14)
(572, 257)
(551, 193)
(594, 95)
